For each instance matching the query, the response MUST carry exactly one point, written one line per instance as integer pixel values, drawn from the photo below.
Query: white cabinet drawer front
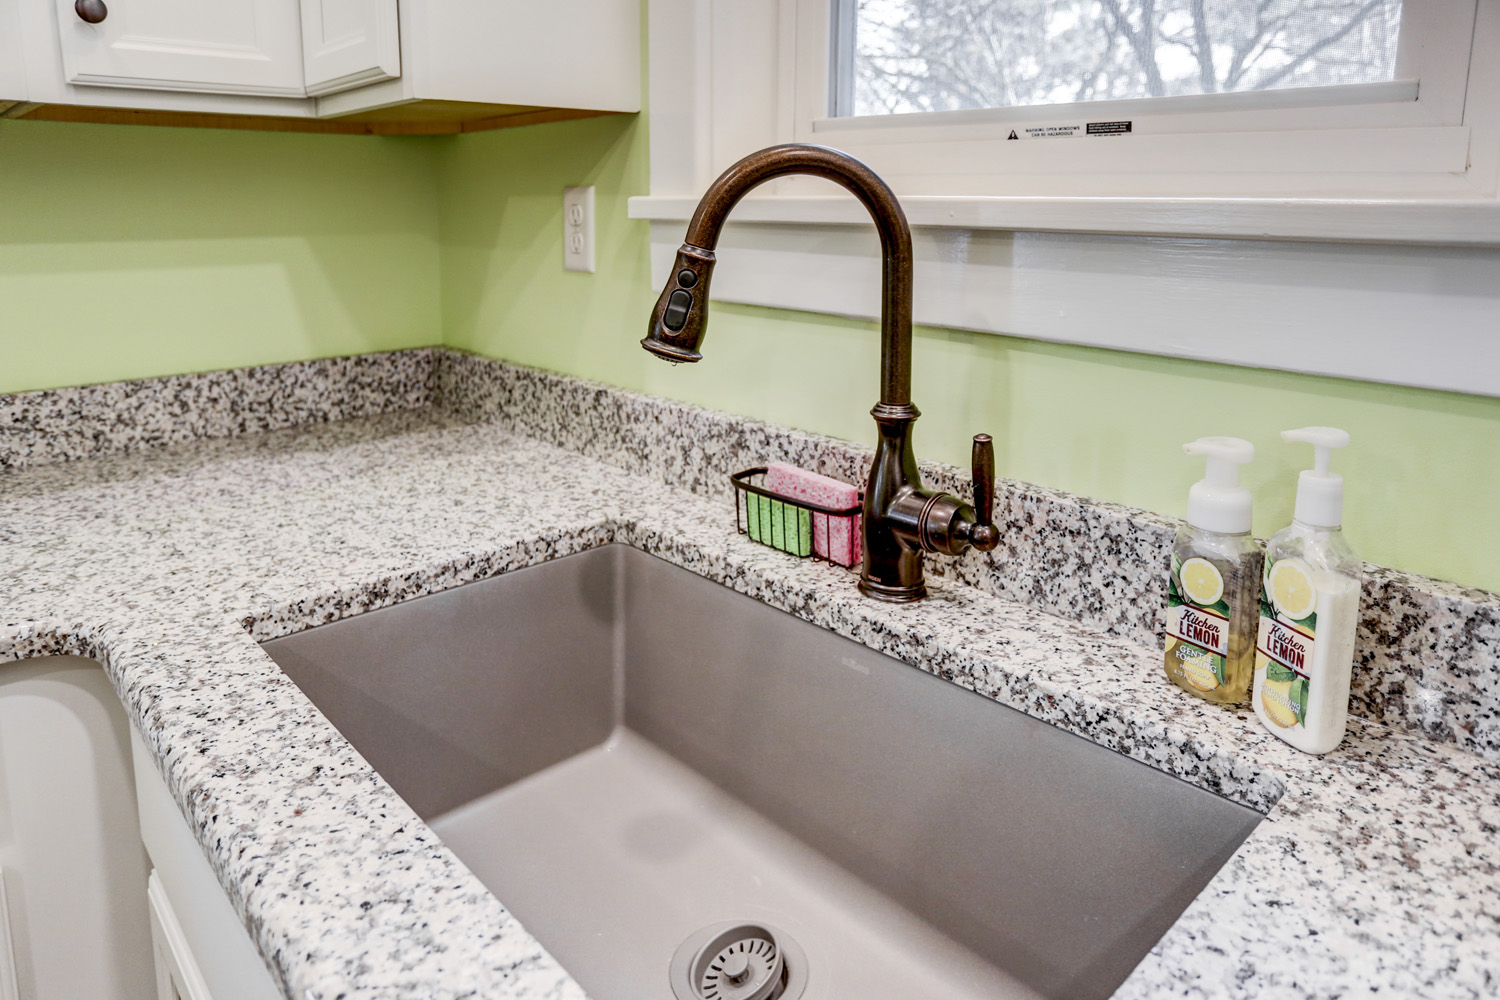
(349, 43)
(207, 46)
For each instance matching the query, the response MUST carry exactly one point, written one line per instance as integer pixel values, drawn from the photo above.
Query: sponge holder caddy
(784, 523)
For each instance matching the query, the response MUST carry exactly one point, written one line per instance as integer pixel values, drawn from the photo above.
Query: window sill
(1467, 222)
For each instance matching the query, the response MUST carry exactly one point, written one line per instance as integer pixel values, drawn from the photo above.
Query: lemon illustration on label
(1276, 698)
(1292, 589)
(1202, 582)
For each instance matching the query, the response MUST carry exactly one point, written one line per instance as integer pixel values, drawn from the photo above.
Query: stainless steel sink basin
(626, 753)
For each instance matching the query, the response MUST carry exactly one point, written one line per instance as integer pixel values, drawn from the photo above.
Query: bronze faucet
(902, 519)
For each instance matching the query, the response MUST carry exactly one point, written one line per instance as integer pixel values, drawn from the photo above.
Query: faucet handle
(984, 478)
(984, 536)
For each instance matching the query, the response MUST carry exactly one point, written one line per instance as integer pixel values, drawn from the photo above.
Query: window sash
(1215, 105)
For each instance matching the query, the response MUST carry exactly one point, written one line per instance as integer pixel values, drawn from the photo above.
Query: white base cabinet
(10, 985)
(70, 848)
(202, 950)
(177, 974)
(104, 891)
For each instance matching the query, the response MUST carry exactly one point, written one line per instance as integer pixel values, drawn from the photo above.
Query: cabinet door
(349, 43)
(206, 46)
(69, 837)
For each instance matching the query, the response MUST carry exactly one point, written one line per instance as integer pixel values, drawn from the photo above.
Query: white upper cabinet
(581, 54)
(412, 68)
(349, 43)
(202, 46)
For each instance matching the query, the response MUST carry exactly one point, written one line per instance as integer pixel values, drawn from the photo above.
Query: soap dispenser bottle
(1309, 609)
(1215, 576)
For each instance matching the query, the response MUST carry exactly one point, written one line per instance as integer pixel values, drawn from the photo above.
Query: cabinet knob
(92, 11)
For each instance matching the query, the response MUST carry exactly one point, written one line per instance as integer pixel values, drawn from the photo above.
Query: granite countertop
(1377, 870)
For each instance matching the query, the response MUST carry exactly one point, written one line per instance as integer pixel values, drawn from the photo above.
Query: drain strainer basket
(739, 961)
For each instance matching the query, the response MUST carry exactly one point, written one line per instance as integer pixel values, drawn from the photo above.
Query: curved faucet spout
(902, 520)
(679, 321)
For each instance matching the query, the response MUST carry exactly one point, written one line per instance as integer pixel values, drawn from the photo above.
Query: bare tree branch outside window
(948, 55)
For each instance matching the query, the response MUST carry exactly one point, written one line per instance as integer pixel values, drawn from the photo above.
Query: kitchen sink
(678, 789)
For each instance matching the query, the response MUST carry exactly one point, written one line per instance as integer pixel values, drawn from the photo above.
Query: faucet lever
(984, 478)
(981, 533)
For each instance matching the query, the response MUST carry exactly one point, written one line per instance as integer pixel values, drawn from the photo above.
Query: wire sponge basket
(794, 526)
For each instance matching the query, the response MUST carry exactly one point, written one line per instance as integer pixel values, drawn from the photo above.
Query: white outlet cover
(578, 228)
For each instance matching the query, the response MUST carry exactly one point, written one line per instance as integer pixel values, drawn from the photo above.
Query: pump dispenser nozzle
(1320, 493)
(1218, 502)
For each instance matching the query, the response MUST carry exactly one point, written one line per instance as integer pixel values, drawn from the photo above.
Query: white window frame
(731, 76)
(1403, 138)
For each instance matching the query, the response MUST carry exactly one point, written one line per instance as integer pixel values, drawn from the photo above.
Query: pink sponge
(834, 538)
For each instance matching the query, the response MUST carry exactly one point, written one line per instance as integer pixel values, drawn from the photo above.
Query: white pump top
(1218, 502)
(1320, 493)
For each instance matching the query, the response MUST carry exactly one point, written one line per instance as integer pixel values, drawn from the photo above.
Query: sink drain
(739, 961)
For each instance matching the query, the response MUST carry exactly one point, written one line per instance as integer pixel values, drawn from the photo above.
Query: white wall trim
(1467, 222)
(1426, 317)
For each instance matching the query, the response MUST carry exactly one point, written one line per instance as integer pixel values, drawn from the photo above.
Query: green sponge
(780, 525)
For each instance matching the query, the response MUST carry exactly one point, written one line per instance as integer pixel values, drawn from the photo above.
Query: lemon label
(1202, 582)
(1284, 643)
(1289, 586)
(1197, 624)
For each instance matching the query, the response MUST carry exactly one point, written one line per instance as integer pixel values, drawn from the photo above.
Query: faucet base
(893, 594)
(892, 569)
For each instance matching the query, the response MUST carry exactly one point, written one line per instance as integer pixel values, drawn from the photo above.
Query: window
(1370, 99)
(1040, 237)
(1304, 98)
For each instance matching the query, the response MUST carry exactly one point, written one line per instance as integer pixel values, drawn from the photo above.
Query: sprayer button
(677, 310)
(687, 278)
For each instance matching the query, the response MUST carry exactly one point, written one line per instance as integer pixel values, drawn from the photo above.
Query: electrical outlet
(578, 228)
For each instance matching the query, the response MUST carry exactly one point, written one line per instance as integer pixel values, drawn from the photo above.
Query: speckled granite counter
(1377, 871)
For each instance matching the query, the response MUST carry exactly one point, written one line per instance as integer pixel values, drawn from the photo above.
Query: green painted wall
(1108, 424)
(128, 252)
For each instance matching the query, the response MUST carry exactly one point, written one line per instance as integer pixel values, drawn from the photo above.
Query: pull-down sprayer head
(680, 318)
(678, 321)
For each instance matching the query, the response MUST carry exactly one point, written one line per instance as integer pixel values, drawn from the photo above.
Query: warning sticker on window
(1069, 131)
(1047, 132)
